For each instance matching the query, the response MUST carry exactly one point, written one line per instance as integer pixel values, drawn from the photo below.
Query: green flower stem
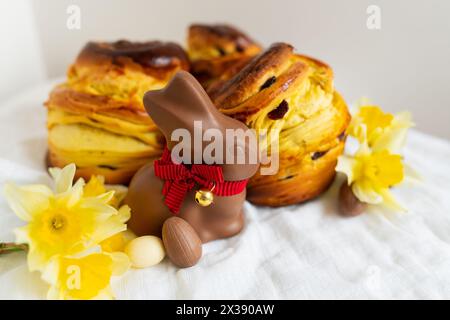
(7, 247)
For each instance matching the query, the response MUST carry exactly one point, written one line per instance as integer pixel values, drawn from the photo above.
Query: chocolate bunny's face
(183, 104)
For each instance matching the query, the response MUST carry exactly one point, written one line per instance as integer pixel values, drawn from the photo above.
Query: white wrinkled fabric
(297, 252)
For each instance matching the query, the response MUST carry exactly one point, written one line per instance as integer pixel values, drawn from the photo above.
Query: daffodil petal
(345, 165)
(393, 137)
(365, 193)
(93, 274)
(390, 202)
(105, 294)
(124, 213)
(392, 140)
(411, 175)
(63, 177)
(95, 186)
(58, 290)
(121, 263)
(116, 243)
(26, 201)
(53, 293)
(363, 150)
(107, 229)
(36, 260)
(22, 234)
(105, 197)
(74, 194)
(358, 130)
(363, 101)
(119, 194)
(103, 211)
(50, 273)
(403, 119)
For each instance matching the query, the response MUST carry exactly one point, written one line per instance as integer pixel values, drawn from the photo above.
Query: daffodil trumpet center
(58, 222)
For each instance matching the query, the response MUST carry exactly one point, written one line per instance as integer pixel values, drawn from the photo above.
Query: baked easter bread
(96, 119)
(217, 52)
(293, 97)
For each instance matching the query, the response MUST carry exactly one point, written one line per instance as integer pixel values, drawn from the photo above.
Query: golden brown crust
(222, 74)
(155, 58)
(210, 71)
(112, 175)
(67, 99)
(103, 92)
(124, 70)
(253, 103)
(220, 36)
(304, 176)
(217, 52)
(248, 81)
(311, 179)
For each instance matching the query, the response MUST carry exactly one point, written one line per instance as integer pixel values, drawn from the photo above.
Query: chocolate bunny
(150, 196)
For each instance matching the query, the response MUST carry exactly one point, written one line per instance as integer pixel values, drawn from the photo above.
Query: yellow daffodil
(371, 174)
(86, 277)
(118, 241)
(114, 244)
(96, 186)
(382, 131)
(64, 222)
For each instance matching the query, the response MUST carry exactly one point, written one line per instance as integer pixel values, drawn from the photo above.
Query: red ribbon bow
(180, 179)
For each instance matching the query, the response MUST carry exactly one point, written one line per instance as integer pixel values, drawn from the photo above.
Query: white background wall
(404, 65)
(21, 62)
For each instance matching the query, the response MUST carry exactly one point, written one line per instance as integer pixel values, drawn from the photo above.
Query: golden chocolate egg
(204, 197)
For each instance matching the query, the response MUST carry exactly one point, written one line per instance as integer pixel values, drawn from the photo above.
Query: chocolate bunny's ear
(183, 96)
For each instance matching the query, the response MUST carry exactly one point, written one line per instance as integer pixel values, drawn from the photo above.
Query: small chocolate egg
(349, 204)
(145, 251)
(183, 245)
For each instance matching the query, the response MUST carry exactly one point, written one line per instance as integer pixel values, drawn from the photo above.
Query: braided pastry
(96, 119)
(292, 96)
(217, 52)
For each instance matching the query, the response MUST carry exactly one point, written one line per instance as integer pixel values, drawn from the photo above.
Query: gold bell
(204, 197)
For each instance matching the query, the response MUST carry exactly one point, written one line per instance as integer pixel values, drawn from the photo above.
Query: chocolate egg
(183, 245)
(349, 204)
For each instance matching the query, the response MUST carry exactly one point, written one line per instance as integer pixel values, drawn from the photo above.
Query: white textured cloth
(297, 252)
